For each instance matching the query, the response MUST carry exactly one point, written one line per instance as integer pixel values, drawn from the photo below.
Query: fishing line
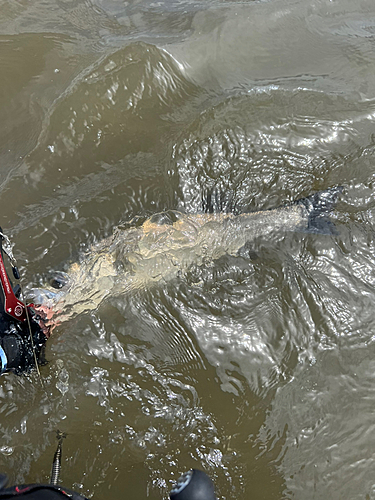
(32, 340)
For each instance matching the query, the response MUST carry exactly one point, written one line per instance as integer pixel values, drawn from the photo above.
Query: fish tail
(318, 206)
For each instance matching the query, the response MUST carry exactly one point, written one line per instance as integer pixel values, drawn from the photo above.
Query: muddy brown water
(258, 369)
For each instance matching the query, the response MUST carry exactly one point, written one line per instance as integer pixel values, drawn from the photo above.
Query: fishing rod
(12, 305)
(18, 320)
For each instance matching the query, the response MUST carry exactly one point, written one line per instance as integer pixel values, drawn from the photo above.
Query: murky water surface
(259, 368)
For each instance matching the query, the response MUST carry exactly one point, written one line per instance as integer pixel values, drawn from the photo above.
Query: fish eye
(58, 281)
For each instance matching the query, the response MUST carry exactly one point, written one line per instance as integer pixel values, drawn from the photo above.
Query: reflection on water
(258, 367)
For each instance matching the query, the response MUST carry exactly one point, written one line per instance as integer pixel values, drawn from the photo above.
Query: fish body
(167, 244)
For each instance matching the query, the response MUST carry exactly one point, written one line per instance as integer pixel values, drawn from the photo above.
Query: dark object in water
(193, 485)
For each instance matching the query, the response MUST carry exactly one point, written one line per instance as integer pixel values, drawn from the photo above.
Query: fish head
(46, 308)
(48, 301)
(79, 291)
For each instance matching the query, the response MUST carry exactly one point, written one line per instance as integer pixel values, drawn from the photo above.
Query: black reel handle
(193, 485)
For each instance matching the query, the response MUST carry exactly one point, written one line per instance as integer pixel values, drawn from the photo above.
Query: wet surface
(256, 368)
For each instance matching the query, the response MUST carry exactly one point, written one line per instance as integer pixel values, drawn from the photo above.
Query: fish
(166, 245)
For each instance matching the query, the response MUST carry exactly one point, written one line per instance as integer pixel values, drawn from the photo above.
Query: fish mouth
(41, 318)
(44, 302)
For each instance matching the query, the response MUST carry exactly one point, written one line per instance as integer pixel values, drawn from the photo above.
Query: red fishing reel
(12, 306)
